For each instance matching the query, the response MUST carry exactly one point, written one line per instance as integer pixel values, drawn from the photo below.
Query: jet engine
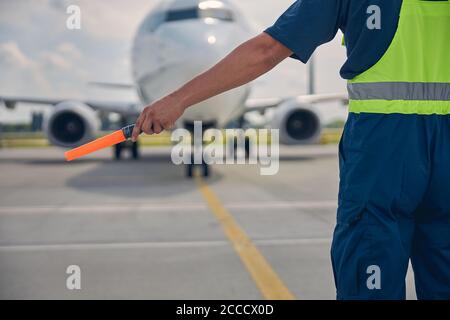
(298, 123)
(71, 124)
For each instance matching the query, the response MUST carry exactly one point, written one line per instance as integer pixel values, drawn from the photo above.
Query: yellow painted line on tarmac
(268, 282)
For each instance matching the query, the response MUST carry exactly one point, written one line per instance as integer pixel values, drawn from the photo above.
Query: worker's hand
(158, 116)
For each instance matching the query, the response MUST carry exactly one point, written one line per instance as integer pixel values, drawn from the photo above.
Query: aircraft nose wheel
(204, 170)
(190, 168)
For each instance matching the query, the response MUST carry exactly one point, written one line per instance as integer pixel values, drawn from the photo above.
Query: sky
(41, 57)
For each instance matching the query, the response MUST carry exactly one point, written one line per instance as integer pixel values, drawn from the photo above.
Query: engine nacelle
(71, 124)
(298, 123)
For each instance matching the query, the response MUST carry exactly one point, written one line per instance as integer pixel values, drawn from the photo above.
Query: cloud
(12, 57)
(54, 61)
(69, 50)
(49, 73)
(18, 69)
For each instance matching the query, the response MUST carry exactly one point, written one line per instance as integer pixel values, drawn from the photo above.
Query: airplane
(175, 42)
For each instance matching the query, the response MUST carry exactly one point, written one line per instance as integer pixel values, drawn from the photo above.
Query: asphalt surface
(141, 230)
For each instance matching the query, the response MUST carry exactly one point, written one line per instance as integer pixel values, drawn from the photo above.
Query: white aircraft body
(176, 41)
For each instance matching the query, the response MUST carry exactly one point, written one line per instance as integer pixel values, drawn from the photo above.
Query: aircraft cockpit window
(198, 13)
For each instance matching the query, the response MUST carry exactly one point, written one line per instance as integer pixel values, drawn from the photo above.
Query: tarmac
(141, 230)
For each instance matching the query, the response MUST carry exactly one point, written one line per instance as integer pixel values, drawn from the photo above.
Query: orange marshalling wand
(101, 143)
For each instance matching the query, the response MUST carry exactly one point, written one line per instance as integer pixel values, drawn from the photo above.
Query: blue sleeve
(307, 24)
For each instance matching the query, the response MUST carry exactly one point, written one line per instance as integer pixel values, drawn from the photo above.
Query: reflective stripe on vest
(413, 76)
(399, 91)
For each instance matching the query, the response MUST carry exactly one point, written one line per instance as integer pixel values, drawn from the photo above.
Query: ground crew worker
(394, 198)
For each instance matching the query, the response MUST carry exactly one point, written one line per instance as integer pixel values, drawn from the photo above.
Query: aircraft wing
(125, 108)
(267, 103)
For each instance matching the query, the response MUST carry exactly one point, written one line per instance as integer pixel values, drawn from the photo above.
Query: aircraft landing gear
(204, 168)
(246, 148)
(132, 146)
(135, 150)
(117, 151)
(190, 168)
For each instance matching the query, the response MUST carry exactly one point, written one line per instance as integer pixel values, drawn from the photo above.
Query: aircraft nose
(179, 51)
(207, 37)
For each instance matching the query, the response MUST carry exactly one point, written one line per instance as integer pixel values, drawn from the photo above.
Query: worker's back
(413, 76)
(395, 150)
(395, 178)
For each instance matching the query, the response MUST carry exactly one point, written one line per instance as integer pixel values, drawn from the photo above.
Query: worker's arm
(246, 63)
